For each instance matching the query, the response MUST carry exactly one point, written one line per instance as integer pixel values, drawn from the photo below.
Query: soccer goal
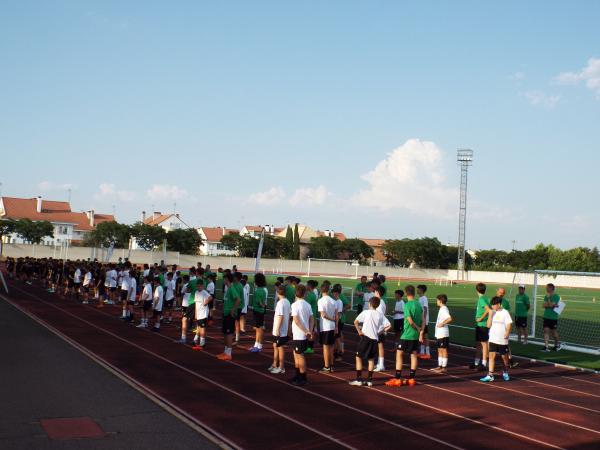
(579, 317)
(339, 268)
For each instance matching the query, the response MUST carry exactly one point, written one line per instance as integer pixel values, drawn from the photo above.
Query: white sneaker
(271, 369)
(379, 369)
(142, 325)
(355, 383)
(278, 371)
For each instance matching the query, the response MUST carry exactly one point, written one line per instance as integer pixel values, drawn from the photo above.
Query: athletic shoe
(379, 368)
(368, 383)
(557, 347)
(438, 369)
(197, 347)
(278, 371)
(424, 356)
(271, 369)
(156, 330)
(546, 350)
(514, 364)
(181, 341)
(325, 370)
(394, 382)
(301, 382)
(142, 325)
(473, 366)
(84, 302)
(309, 351)
(255, 350)
(225, 357)
(487, 379)
(355, 383)
(505, 376)
(481, 368)
(122, 318)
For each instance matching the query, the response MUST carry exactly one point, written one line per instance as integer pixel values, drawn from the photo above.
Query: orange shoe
(394, 382)
(198, 348)
(426, 356)
(225, 357)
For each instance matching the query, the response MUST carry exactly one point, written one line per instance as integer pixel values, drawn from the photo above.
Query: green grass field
(579, 323)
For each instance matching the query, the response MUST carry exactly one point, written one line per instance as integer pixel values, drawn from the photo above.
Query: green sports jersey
(482, 302)
(161, 278)
(346, 302)
(290, 293)
(412, 309)
(311, 298)
(384, 290)
(522, 305)
(192, 287)
(505, 304)
(230, 298)
(549, 313)
(239, 290)
(360, 287)
(259, 301)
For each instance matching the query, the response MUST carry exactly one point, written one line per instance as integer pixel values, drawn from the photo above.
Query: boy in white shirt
(327, 309)
(424, 352)
(157, 303)
(169, 297)
(281, 322)
(146, 298)
(124, 283)
(302, 326)
(373, 325)
(398, 315)
(246, 292)
(499, 322)
(379, 293)
(132, 294)
(442, 333)
(87, 285)
(202, 301)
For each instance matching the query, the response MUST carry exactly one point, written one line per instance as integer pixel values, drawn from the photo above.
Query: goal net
(579, 321)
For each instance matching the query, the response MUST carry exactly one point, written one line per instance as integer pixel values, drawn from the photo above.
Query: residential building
(69, 226)
(377, 246)
(211, 241)
(168, 222)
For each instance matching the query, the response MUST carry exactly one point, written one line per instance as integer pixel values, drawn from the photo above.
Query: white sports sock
(380, 362)
(196, 337)
(342, 346)
(477, 361)
(255, 344)
(484, 362)
(444, 362)
(440, 361)
(237, 336)
(259, 345)
(124, 313)
(228, 351)
(427, 350)
(183, 336)
(202, 341)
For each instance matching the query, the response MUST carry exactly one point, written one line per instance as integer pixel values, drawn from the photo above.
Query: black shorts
(425, 330)
(521, 322)
(359, 308)
(211, 304)
(497, 348)
(409, 346)
(156, 313)
(367, 348)
(86, 289)
(202, 323)
(189, 312)
(381, 338)
(169, 303)
(552, 324)
(70, 283)
(76, 285)
(281, 341)
(482, 334)
(443, 342)
(299, 346)
(124, 295)
(340, 329)
(238, 314)
(228, 324)
(147, 305)
(327, 337)
(399, 325)
(259, 319)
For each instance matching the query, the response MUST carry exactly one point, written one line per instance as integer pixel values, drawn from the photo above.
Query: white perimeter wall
(292, 266)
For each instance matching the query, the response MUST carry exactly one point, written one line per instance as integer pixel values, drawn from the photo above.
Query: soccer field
(579, 323)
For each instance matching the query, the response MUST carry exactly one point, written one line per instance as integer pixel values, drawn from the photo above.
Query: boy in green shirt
(259, 306)
(410, 339)
(551, 301)
(521, 312)
(231, 305)
(311, 298)
(482, 332)
(360, 290)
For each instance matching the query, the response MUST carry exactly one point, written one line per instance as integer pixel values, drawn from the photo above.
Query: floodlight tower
(464, 158)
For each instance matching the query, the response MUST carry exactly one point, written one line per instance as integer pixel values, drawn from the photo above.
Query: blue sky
(342, 115)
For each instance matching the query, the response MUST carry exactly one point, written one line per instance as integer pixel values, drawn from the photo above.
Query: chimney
(39, 204)
(155, 214)
(91, 218)
(143, 216)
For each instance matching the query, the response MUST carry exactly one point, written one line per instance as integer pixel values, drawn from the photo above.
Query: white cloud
(540, 98)
(590, 74)
(49, 186)
(166, 192)
(410, 178)
(108, 191)
(310, 196)
(517, 76)
(270, 197)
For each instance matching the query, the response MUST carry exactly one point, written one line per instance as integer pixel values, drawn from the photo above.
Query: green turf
(579, 324)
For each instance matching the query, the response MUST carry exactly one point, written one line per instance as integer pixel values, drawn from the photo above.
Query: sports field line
(194, 423)
(433, 408)
(191, 372)
(456, 355)
(439, 441)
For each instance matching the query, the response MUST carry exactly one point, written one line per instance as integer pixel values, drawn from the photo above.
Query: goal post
(339, 268)
(579, 322)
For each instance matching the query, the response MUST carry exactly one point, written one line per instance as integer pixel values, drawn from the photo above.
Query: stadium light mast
(464, 158)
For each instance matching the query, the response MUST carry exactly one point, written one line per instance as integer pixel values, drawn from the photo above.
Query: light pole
(464, 158)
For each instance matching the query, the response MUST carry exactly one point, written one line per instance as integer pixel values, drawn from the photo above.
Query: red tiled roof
(253, 227)
(157, 219)
(340, 236)
(373, 242)
(52, 211)
(214, 234)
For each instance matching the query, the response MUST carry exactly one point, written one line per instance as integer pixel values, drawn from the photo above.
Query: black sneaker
(156, 330)
(546, 350)
(481, 368)
(325, 370)
(473, 366)
(557, 347)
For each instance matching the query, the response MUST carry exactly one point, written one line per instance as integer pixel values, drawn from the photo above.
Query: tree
(356, 249)
(244, 246)
(289, 243)
(425, 252)
(186, 241)
(147, 236)
(7, 227)
(273, 247)
(33, 232)
(324, 247)
(296, 242)
(107, 232)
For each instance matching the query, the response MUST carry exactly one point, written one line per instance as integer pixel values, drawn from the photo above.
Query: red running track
(244, 406)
